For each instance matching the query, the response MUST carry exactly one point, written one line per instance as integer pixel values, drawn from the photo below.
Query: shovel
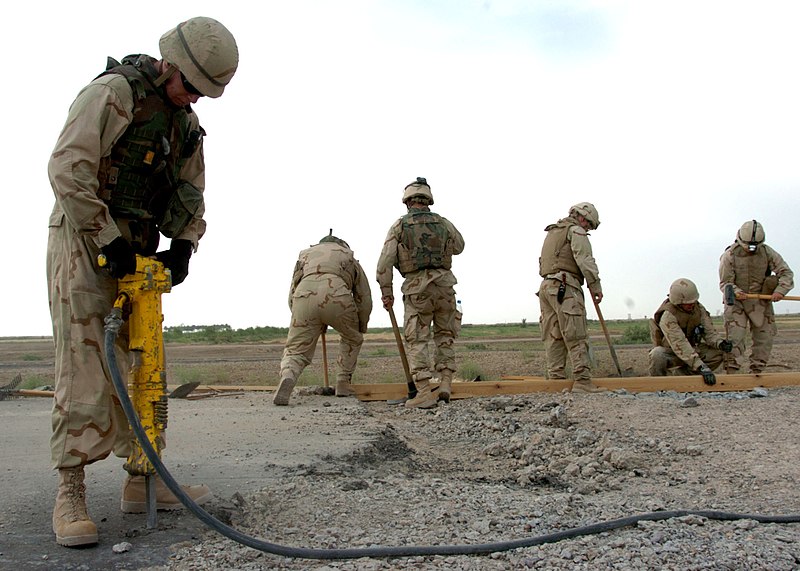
(412, 388)
(183, 391)
(608, 337)
(326, 390)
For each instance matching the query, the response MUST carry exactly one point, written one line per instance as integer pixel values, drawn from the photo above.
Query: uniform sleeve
(98, 117)
(388, 260)
(297, 275)
(582, 252)
(782, 270)
(678, 342)
(726, 273)
(456, 237)
(362, 295)
(194, 172)
(711, 336)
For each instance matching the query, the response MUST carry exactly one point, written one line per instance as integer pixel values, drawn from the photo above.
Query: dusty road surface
(332, 473)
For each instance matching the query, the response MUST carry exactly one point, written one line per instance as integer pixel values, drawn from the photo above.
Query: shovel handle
(412, 388)
(325, 358)
(608, 337)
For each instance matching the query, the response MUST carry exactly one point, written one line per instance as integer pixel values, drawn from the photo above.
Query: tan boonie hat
(204, 51)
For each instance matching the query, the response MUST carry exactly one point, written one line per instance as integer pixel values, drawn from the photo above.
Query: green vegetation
(635, 334)
(216, 334)
(470, 371)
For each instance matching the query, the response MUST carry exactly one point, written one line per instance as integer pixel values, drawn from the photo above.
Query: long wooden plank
(523, 384)
(512, 385)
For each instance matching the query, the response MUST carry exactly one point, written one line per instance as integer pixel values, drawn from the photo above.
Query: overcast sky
(679, 120)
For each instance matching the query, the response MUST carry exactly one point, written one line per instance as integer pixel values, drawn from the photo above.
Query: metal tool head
(184, 390)
(729, 295)
(9, 391)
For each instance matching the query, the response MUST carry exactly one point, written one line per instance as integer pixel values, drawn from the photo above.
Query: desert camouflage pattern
(563, 325)
(88, 423)
(429, 303)
(329, 288)
(676, 350)
(748, 273)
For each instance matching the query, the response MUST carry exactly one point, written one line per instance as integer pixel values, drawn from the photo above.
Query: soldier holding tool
(565, 263)
(127, 166)
(329, 287)
(421, 245)
(685, 339)
(752, 269)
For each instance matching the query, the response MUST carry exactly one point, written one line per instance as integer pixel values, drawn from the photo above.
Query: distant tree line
(223, 333)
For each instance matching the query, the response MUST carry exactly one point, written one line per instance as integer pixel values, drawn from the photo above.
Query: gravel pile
(499, 469)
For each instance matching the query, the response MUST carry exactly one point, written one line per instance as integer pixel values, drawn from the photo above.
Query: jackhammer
(139, 300)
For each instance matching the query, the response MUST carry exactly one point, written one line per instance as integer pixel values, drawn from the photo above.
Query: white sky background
(678, 120)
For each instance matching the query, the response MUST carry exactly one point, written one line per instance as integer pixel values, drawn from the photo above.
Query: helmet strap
(167, 73)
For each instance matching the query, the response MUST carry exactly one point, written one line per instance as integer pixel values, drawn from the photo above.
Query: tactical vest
(424, 243)
(686, 321)
(139, 177)
(750, 270)
(556, 253)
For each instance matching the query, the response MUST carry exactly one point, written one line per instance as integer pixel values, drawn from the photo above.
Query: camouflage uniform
(678, 348)
(749, 273)
(563, 324)
(329, 288)
(88, 423)
(428, 297)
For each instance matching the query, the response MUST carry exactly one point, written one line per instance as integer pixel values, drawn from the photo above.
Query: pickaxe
(730, 296)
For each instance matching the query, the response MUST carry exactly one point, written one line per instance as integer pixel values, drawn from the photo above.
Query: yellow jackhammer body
(139, 302)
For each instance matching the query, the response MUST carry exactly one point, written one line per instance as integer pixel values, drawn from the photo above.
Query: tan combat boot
(134, 495)
(587, 387)
(425, 397)
(284, 391)
(445, 384)
(71, 522)
(343, 386)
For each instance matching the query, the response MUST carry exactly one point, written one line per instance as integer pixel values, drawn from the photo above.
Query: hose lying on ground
(114, 322)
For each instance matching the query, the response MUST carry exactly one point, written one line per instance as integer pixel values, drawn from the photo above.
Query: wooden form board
(523, 384)
(515, 385)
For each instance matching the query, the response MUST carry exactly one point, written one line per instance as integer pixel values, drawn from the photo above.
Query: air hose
(114, 322)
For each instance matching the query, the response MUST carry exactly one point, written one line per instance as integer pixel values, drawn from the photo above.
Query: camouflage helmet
(750, 235)
(204, 51)
(331, 238)
(683, 291)
(419, 187)
(588, 211)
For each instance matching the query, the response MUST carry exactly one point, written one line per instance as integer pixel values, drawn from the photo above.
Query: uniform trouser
(564, 331)
(759, 317)
(435, 306)
(309, 320)
(664, 361)
(88, 421)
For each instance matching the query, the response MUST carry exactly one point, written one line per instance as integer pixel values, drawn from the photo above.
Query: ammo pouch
(181, 207)
(769, 285)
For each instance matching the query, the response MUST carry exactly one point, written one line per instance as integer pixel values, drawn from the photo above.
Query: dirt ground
(327, 472)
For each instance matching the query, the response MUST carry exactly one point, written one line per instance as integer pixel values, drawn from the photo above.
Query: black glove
(120, 258)
(708, 375)
(176, 259)
(725, 346)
